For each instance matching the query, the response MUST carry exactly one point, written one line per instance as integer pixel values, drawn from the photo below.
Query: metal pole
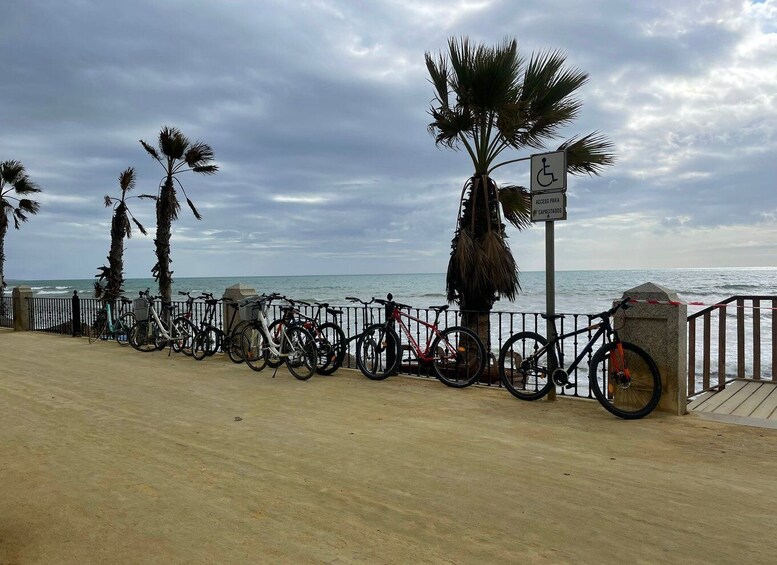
(550, 290)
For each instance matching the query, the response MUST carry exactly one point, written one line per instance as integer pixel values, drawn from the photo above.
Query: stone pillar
(21, 308)
(235, 292)
(662, 331)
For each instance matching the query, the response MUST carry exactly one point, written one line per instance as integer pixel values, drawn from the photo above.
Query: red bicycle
(456, 354)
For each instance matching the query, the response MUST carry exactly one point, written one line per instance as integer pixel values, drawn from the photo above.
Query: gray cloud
(317, 113)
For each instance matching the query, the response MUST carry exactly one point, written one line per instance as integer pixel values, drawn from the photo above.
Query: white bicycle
(284, 341)
(152, 333)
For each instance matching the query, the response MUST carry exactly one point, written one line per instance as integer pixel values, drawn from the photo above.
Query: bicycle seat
(334, 312)
(125, 300)
(234, 305)
(442, 308)
(553, 317)
(168, 306)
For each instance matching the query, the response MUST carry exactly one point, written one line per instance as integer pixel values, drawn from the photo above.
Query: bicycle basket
(140, 309)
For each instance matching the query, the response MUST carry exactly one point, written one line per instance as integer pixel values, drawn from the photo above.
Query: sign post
(549, 203)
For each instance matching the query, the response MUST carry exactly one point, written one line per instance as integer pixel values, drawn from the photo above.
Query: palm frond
(24, 186)
(206, 169)
(147, 196)
(140, 226)
(10, 172)
(588, 154)
(516, 205)
(499, 265)
(108, 201)
(172, 143)
(198, 155)
(150, 149)
(194, 210)
(127, 179)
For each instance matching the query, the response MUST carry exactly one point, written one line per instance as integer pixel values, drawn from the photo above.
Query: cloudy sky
(317, 114)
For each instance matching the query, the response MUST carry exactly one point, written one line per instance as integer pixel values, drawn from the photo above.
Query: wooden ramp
(748, 402)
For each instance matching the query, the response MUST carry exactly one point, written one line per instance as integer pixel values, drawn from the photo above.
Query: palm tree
(15, 186)
(121, 227)
(488, 100)
(176, 155)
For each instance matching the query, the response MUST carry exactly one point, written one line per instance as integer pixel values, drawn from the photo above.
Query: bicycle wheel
(205, 343)
(183, 331)
(459, 357)
(144, 335)
(524, 371)
(233, 344)
(330, 343)
(253, 347)
(377, 352)
(627, 385)
(275, 329)
(98, 330)
(123, 325)
(300, 349)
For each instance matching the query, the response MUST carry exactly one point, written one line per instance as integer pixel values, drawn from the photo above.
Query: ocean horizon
(576, 291)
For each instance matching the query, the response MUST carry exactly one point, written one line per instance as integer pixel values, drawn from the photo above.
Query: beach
(112, 456)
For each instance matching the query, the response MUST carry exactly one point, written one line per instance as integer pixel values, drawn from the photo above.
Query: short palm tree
(489, 101)
(177, 155)
(121, 227)
(15, 188)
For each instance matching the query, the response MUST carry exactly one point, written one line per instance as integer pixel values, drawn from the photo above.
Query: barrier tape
(678, 303)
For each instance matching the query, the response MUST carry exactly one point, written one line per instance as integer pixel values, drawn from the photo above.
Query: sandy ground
(108, 455)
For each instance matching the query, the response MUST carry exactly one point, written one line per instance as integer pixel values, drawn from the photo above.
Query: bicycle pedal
(569, 385)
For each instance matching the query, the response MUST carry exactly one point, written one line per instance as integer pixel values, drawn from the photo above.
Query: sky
(317, 112)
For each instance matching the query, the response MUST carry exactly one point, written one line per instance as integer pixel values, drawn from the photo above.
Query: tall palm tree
(489, 100)
(15, 187)
(176, 155)
(121, 227)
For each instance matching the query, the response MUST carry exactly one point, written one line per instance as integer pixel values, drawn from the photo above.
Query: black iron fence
(6, 311)
(69, 316)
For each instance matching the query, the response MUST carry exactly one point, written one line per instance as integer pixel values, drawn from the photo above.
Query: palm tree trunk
(165, 210)
(116, 255)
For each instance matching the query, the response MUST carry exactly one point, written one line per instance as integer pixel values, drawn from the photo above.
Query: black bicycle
(622, 376)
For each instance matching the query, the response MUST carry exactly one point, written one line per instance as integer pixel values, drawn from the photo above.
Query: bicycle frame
(602, 328)
(431, 333)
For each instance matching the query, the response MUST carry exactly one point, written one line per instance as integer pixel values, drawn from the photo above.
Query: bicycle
(106, 326)
(622, 376)
(295, 345)
(329, 336)
(456, 354)
(152, 333)
(211, 338)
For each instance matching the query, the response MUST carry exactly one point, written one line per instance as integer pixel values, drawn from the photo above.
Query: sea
(576, 292)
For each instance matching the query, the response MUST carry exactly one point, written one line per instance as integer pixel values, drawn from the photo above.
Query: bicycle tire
(252, 343)
(183, 335)
(275, 331)
(631, 398)
(330, 343)
(123, 325)
(299, 345)
(233, 344)
(205, 344)
(459, 357)
(143, 336)
(526, 379)
(372, 352)
(99, 329)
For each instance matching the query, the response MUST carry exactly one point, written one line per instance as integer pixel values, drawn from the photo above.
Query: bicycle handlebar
(364, 302)
(624, 304)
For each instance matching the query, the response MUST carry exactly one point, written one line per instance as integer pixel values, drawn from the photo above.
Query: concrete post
(21, 308)
(235, 292)
(662, 331)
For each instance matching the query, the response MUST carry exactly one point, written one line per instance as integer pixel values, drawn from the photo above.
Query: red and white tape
(678, 303)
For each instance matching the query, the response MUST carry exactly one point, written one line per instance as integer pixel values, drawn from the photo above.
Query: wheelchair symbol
(545, 175)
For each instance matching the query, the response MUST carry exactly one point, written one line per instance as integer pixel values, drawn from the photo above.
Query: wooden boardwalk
(748, 402)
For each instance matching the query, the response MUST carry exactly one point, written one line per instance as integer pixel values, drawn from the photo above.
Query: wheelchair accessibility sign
(549, 172)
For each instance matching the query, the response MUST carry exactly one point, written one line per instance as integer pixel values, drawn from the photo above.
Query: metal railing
(69, 315)
(6, 311)
(720, 351)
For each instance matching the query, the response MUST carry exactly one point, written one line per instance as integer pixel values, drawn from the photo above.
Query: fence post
(22, 312)
(235, 292)
(76, 310)
(661, 330)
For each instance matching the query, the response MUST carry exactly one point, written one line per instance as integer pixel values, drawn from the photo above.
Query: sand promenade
(108, 455)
